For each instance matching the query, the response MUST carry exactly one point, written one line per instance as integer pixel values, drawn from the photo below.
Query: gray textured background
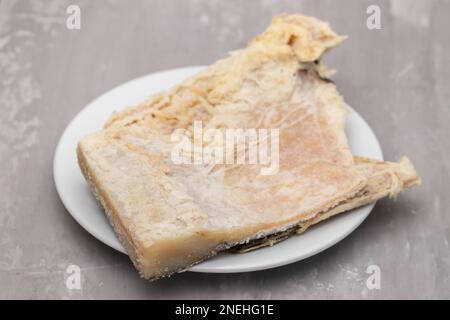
(397, 78)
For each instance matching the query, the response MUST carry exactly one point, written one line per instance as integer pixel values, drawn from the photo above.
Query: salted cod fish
(170, 217)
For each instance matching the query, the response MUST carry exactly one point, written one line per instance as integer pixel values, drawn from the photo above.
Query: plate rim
(197, 268)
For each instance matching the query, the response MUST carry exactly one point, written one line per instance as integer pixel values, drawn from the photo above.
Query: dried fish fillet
(171, 216)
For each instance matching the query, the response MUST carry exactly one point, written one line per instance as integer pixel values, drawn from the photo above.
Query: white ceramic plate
(78, 200)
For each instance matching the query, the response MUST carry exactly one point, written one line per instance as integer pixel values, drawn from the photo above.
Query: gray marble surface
(396, 77)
